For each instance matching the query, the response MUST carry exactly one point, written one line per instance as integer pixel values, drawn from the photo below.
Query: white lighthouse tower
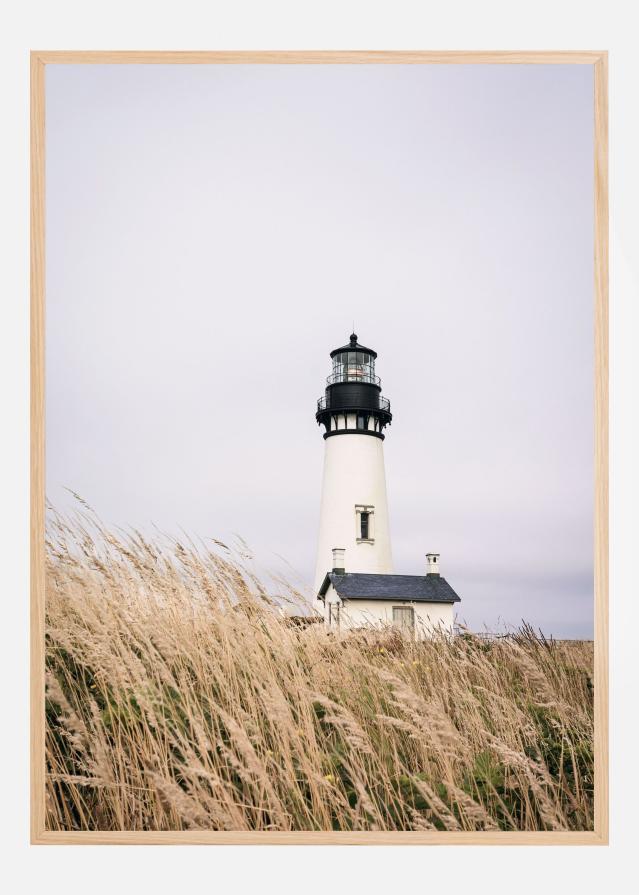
(354, 509)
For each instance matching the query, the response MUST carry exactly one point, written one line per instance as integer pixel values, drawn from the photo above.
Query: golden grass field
(179, 697)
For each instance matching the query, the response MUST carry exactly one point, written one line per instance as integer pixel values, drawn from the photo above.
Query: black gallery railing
(325, 404)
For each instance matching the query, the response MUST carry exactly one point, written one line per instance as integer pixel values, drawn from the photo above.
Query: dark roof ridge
(390, 574)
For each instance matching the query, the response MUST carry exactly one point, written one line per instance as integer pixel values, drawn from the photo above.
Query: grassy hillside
(178, 697)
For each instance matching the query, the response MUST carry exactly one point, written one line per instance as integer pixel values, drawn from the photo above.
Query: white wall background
(213, 231)
(333, 23)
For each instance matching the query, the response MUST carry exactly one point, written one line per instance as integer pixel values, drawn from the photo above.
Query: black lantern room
(353, 402)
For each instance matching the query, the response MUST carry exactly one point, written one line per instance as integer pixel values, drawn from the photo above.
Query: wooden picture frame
(598, 60)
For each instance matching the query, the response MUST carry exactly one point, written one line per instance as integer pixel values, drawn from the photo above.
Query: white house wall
(377, 613)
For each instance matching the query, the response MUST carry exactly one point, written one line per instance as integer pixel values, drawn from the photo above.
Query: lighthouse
(355, 586)
(354, 507)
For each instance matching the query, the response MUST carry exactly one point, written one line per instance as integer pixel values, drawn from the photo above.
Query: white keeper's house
(354, 579)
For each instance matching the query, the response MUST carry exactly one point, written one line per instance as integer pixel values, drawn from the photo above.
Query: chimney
(432, 563)
(338, 561)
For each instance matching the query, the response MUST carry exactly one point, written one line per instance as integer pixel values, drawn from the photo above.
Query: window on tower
(361, 421)
(365, 527)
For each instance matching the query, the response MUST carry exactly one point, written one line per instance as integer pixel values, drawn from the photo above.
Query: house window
(361, 421)
(404, 618)
(364, 518)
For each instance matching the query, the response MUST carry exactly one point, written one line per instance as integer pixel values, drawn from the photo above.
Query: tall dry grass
(179, 698)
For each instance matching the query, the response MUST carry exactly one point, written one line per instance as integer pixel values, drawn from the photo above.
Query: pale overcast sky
(214, 231)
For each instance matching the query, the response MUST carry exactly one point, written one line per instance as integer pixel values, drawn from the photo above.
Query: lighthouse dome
(354, 345)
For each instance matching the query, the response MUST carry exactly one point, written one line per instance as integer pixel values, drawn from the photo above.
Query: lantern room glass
(353, 366)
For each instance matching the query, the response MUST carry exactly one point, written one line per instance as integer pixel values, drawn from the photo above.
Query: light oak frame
(599, 61)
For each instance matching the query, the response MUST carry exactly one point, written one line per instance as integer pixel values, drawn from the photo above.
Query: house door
(404, 618)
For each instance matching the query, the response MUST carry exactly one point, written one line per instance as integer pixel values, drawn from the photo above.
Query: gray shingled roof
(417, 588)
